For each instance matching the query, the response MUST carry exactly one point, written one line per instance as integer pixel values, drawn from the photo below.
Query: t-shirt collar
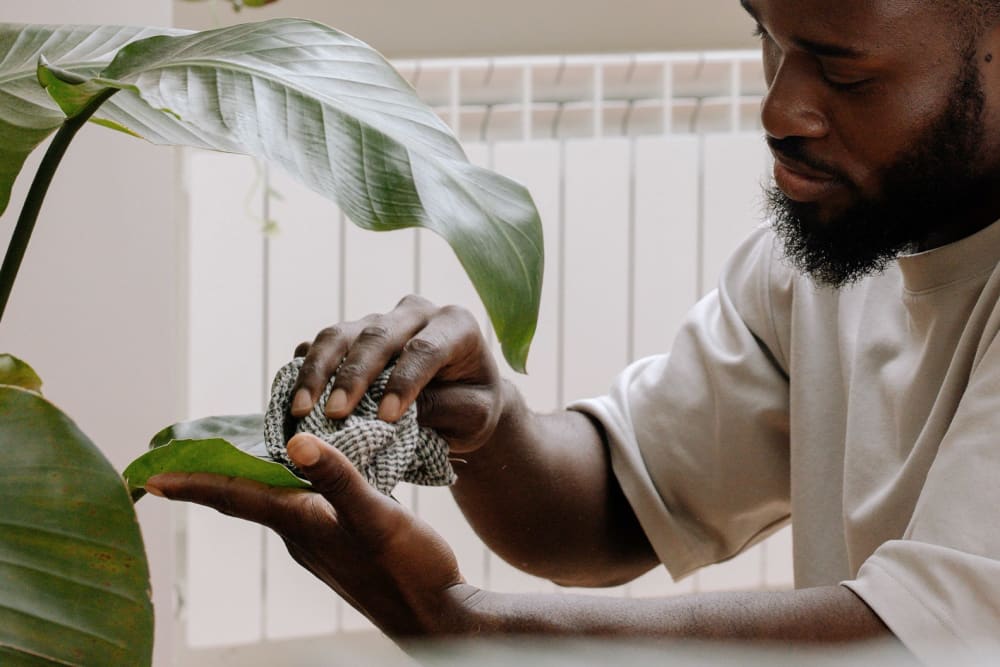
(952, 263)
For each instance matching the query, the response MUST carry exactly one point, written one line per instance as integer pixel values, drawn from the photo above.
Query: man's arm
(825, 614)
(541, 494)
(397, 571)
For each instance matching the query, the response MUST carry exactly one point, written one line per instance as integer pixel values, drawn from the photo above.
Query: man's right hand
(443, 362)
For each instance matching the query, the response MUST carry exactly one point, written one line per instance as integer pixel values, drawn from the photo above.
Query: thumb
(334, 476)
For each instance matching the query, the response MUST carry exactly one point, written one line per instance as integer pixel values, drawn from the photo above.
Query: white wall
(448, 28)
(96, 306)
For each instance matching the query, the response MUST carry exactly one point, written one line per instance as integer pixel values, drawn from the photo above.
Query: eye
(853, 86)
(844, 84)
(766, 41)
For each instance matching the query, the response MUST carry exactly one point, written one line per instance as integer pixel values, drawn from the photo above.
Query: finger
(358, 504)
(302, 349)
(234, 496)
(451, 339)
(320, 363)
(381, 339)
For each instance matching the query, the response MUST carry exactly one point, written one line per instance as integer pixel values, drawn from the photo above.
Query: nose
(792, 106)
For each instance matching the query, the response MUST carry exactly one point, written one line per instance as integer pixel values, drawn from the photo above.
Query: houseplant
(322, 105)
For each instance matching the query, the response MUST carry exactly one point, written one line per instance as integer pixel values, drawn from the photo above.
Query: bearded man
(844, 376)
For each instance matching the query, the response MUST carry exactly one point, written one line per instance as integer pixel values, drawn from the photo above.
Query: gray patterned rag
(385, 453)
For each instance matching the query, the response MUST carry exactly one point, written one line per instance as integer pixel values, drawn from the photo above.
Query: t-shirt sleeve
(938, 588)
(698, 437)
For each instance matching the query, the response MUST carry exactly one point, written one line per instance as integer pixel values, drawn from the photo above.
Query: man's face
(882, 121)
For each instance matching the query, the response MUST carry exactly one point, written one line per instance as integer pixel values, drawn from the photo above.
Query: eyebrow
(824, 49)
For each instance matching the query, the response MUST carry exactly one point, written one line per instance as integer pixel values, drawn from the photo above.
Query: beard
(921, 192)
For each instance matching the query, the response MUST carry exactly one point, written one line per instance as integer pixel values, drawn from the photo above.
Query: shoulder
(761, 286)
(757, 270)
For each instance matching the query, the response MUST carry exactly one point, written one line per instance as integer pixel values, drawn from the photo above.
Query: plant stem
(36, 194)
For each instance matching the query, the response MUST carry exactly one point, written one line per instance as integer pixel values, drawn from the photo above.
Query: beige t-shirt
(870, 416)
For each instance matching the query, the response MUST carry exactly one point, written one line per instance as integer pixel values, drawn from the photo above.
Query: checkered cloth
(385, 453)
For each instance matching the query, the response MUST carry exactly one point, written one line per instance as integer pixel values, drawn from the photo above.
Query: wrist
(511, 426)
(457, 615)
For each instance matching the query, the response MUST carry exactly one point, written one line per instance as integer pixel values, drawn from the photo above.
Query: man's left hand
(384, 561)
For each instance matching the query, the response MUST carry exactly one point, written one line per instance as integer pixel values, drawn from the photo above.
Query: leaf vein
(84, 631)
(35, 654)
(71, 537)
(85, 584)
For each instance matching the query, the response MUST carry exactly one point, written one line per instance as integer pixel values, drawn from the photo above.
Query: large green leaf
(74, 584)
(15, 372)
(337, 116)
(231, 445)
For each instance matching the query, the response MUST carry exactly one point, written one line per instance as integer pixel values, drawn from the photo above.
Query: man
(843, 374)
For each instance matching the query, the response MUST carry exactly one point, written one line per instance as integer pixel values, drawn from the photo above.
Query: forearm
(815, 615)
(542, 495)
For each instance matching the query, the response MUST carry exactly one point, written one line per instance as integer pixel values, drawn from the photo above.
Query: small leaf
(215, 456)
(74, 583)
(244, 432)
(15, 372)
(71, 92)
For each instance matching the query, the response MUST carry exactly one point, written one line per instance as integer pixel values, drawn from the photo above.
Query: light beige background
(459, 28)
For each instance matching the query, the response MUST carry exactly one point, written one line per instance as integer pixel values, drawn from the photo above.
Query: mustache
(793, 148)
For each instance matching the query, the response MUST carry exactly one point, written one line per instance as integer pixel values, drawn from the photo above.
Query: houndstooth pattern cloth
(385, 453)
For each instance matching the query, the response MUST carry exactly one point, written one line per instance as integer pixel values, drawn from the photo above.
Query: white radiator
(646, 170)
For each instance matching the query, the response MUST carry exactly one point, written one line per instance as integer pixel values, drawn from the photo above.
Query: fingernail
(389, 410)
(154, 490)
(303, 451)
(337, 402)
(302, 401)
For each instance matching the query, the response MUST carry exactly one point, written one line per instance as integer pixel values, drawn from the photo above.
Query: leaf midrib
(308, 93)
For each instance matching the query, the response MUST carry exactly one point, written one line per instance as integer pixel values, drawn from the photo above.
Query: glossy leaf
(16, 373)
(334, 114)
(213, 456)
(74, 584)
(243, 432)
